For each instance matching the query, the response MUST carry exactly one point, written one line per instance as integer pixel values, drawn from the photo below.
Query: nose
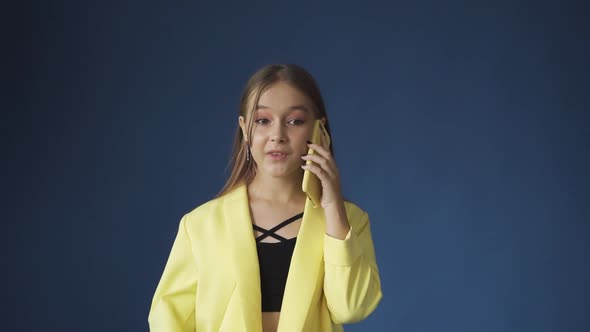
(277, 134)
(276, 138)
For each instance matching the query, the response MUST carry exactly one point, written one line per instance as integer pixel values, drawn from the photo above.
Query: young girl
(260, 256)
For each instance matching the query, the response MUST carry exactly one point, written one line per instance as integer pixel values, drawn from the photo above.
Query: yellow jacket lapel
(245, 257)
(304, 271)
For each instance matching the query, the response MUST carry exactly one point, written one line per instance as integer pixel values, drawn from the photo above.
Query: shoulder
(209, 210)
(203, 211)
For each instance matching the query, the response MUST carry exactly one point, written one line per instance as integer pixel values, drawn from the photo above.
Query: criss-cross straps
(271, 232)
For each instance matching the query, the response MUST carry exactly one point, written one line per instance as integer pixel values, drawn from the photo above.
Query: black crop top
(274, 259)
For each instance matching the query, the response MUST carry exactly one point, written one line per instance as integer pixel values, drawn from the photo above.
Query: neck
(277, 190)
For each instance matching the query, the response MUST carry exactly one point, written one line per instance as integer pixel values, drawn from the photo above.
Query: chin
(282, 171)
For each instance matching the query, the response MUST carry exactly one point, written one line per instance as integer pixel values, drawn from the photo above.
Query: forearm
(337, 225)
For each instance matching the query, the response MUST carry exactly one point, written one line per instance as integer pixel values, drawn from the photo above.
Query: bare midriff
(270, 321)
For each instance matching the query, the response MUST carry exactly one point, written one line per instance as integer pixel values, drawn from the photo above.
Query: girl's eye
(294, 121)
(297, 122)
(259, 120)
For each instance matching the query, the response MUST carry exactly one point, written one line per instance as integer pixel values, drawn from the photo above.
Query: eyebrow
(290, 108)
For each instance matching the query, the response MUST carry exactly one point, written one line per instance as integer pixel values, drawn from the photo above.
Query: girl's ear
(242, 124)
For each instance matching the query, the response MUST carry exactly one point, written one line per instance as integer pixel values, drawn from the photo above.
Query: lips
(276, 153)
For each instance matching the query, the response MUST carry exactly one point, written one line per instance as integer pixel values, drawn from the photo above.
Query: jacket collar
(304, 271)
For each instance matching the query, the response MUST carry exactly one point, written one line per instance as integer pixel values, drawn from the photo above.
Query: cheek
(301, 141)
(258, 141)
(307, 135)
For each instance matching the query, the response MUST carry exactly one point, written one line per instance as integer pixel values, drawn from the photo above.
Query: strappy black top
(274, 259)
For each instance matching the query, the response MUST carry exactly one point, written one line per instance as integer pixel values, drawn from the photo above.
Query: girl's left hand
(324, 167)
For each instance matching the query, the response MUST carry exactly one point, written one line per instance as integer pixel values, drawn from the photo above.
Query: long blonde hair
(243, 171)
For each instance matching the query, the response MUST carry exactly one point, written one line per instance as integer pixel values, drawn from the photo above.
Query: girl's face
(283, 122)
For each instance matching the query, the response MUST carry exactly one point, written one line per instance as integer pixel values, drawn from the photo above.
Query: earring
(247, 152)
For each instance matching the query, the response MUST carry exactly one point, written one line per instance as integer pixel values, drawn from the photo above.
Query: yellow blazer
(211, 281)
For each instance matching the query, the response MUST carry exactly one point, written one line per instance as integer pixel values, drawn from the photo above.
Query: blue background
(461, 127)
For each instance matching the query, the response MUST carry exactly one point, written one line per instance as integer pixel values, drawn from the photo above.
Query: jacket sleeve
(352, 285)
(173, 305)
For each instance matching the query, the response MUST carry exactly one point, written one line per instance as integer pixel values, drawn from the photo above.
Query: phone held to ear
(312, 185)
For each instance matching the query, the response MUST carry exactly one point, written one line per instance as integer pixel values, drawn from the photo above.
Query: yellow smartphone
(312, 186)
